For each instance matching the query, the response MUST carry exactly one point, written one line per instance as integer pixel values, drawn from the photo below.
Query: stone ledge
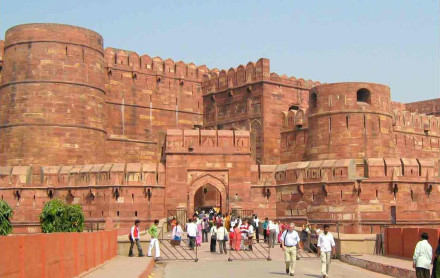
(394, 271)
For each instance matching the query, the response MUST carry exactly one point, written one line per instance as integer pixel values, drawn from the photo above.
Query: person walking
(205, 229)
(199, 232)
(213, 233)
(264, 226)
(222, 236)
(244, 234)
(154, 242)
(250, 235)
(227, 221)
(256, 223)
(191, 229)
(289, 243)
(422, 257)
(237, 237)
(436, 262)
(177, 232)
(272, 233)
(134, 238)
(326, 248)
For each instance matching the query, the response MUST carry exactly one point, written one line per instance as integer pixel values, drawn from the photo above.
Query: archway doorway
(207, 197)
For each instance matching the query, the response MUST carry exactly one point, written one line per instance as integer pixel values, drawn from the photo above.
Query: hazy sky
(394, 42)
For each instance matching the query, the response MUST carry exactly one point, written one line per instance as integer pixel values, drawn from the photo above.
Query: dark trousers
(139, 247)
(265, 235)
(205, 236)
(192, 242)
(213, 244)
(422, 272)
(257, 234)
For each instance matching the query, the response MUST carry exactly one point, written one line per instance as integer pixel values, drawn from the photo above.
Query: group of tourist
(240, 233)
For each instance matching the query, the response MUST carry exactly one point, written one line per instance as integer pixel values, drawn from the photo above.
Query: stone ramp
(395, 267)
(122, 266)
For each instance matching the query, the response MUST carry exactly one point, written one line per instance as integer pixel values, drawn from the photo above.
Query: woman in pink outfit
(199, 234)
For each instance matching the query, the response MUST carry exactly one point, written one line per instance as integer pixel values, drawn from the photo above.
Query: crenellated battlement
(108, 174)
(294, 118)
(253, 72)
(415, 122)
(325, 171)
(430, 107)
(126, 60)
(207, 141)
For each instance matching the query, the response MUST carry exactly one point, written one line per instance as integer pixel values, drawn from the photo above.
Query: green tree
(57, 216)
(5, 218)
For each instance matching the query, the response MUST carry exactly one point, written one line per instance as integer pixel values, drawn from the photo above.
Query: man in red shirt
(134, 237)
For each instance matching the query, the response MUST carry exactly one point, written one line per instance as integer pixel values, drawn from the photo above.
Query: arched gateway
(205, 192)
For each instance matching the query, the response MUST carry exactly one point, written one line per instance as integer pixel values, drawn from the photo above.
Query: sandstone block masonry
(133, 137)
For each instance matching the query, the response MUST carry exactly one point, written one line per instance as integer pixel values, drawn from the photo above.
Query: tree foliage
(5, 218)
(57, 216)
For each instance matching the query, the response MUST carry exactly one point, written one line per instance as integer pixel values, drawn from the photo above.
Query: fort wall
(145, 96)
(249, 98)
(52, 96)
(429, 107)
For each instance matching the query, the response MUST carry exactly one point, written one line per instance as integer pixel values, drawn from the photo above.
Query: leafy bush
(58, 216)
(5, 218)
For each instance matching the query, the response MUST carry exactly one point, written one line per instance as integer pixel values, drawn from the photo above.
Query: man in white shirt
(191, 229)
(423, 257)
(256, 223)
(289, 242)
(326, 247)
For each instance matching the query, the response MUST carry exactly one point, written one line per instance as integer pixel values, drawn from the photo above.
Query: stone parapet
(207, 141)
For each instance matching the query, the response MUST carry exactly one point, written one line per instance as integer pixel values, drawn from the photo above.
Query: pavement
(216, 265)
(122, 266)
(221, 269)
(219, 265)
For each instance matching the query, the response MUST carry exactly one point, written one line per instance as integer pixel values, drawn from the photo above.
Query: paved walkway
(121, 266)
(215, 265)
(256, 269)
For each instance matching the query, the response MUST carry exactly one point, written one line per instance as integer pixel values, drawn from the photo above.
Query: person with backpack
(134, 238)
(289, 242)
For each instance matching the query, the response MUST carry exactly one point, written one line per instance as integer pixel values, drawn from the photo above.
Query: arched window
(363, 96)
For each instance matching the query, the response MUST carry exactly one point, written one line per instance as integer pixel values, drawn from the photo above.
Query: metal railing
(250, 250)
(177, 250)
(243, 213)
(179, 214)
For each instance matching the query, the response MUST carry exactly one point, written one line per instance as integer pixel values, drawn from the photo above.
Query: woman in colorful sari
(199, 234)
(237, 237)
(436, 262)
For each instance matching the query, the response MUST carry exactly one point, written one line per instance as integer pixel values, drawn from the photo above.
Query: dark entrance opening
(207, 197)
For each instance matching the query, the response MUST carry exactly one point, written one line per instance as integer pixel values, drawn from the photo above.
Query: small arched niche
(363, 96)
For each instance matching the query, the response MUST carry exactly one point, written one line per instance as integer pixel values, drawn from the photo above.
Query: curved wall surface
(52, 96)
(350, 120)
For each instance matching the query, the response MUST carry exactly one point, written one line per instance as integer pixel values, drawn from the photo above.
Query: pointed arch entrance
(203, 184)
(207, 197)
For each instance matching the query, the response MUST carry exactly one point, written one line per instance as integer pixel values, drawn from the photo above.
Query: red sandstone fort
(133, 137)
